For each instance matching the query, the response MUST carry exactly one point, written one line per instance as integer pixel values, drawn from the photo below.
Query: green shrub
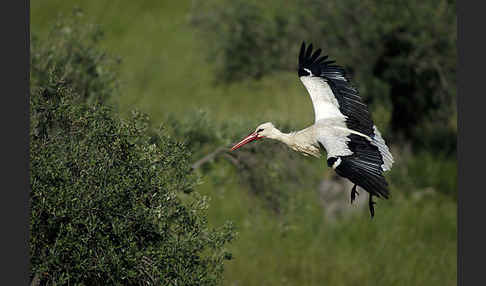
(72, 53)
(247, 39)
(111, 202)
(425, 171)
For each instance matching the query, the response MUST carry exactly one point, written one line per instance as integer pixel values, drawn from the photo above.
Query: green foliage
(111, 202)
(401, 54)
(198, 132)
(246, 37)
(72, 53)
(424, 171)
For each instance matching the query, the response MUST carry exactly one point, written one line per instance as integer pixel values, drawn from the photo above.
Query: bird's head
(265, 130)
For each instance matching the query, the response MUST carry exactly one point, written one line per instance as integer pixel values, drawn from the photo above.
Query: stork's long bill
(251, 137)
(343, 127)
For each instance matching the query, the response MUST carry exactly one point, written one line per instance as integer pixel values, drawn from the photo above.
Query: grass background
(411, 241)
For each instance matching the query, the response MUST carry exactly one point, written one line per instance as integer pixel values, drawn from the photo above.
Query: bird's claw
(372, 208)
(354, 193)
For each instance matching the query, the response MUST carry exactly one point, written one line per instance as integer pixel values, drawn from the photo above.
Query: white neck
(286, 138)
(301, 141)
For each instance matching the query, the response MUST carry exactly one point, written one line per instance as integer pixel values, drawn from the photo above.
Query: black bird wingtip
(311, 59)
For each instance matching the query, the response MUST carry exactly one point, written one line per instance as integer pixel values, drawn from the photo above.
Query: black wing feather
(301, 54)
(309, 51)
(321, 59)
(316, 54)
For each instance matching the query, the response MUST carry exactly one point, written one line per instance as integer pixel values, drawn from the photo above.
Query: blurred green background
(212, 70)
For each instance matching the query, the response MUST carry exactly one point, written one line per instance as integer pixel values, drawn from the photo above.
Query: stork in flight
(343, 127)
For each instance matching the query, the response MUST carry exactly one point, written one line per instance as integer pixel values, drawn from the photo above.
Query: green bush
(425, 171)
(111, 202)
(248, 40)
(72, 53)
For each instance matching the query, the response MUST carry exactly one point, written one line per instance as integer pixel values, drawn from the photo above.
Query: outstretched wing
(331, 92)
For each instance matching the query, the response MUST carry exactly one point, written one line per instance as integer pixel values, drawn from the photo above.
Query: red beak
(252, 137)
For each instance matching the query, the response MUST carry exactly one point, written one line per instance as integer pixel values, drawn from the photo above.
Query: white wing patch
(309, 71)
(323, 100)
(336, 164)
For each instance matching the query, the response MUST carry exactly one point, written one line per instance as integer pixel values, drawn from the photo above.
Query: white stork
(343, 127)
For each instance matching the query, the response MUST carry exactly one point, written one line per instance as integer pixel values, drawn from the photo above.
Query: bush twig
(209, 157)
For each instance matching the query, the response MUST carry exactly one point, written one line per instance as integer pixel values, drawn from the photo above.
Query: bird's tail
(379, 142)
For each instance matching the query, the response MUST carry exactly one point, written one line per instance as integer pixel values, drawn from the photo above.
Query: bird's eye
(260, 130)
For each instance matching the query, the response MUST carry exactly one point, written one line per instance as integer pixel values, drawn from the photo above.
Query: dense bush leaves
(111, 203)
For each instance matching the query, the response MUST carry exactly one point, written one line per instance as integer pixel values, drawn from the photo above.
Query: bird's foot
(372, 208)
(354, 193)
